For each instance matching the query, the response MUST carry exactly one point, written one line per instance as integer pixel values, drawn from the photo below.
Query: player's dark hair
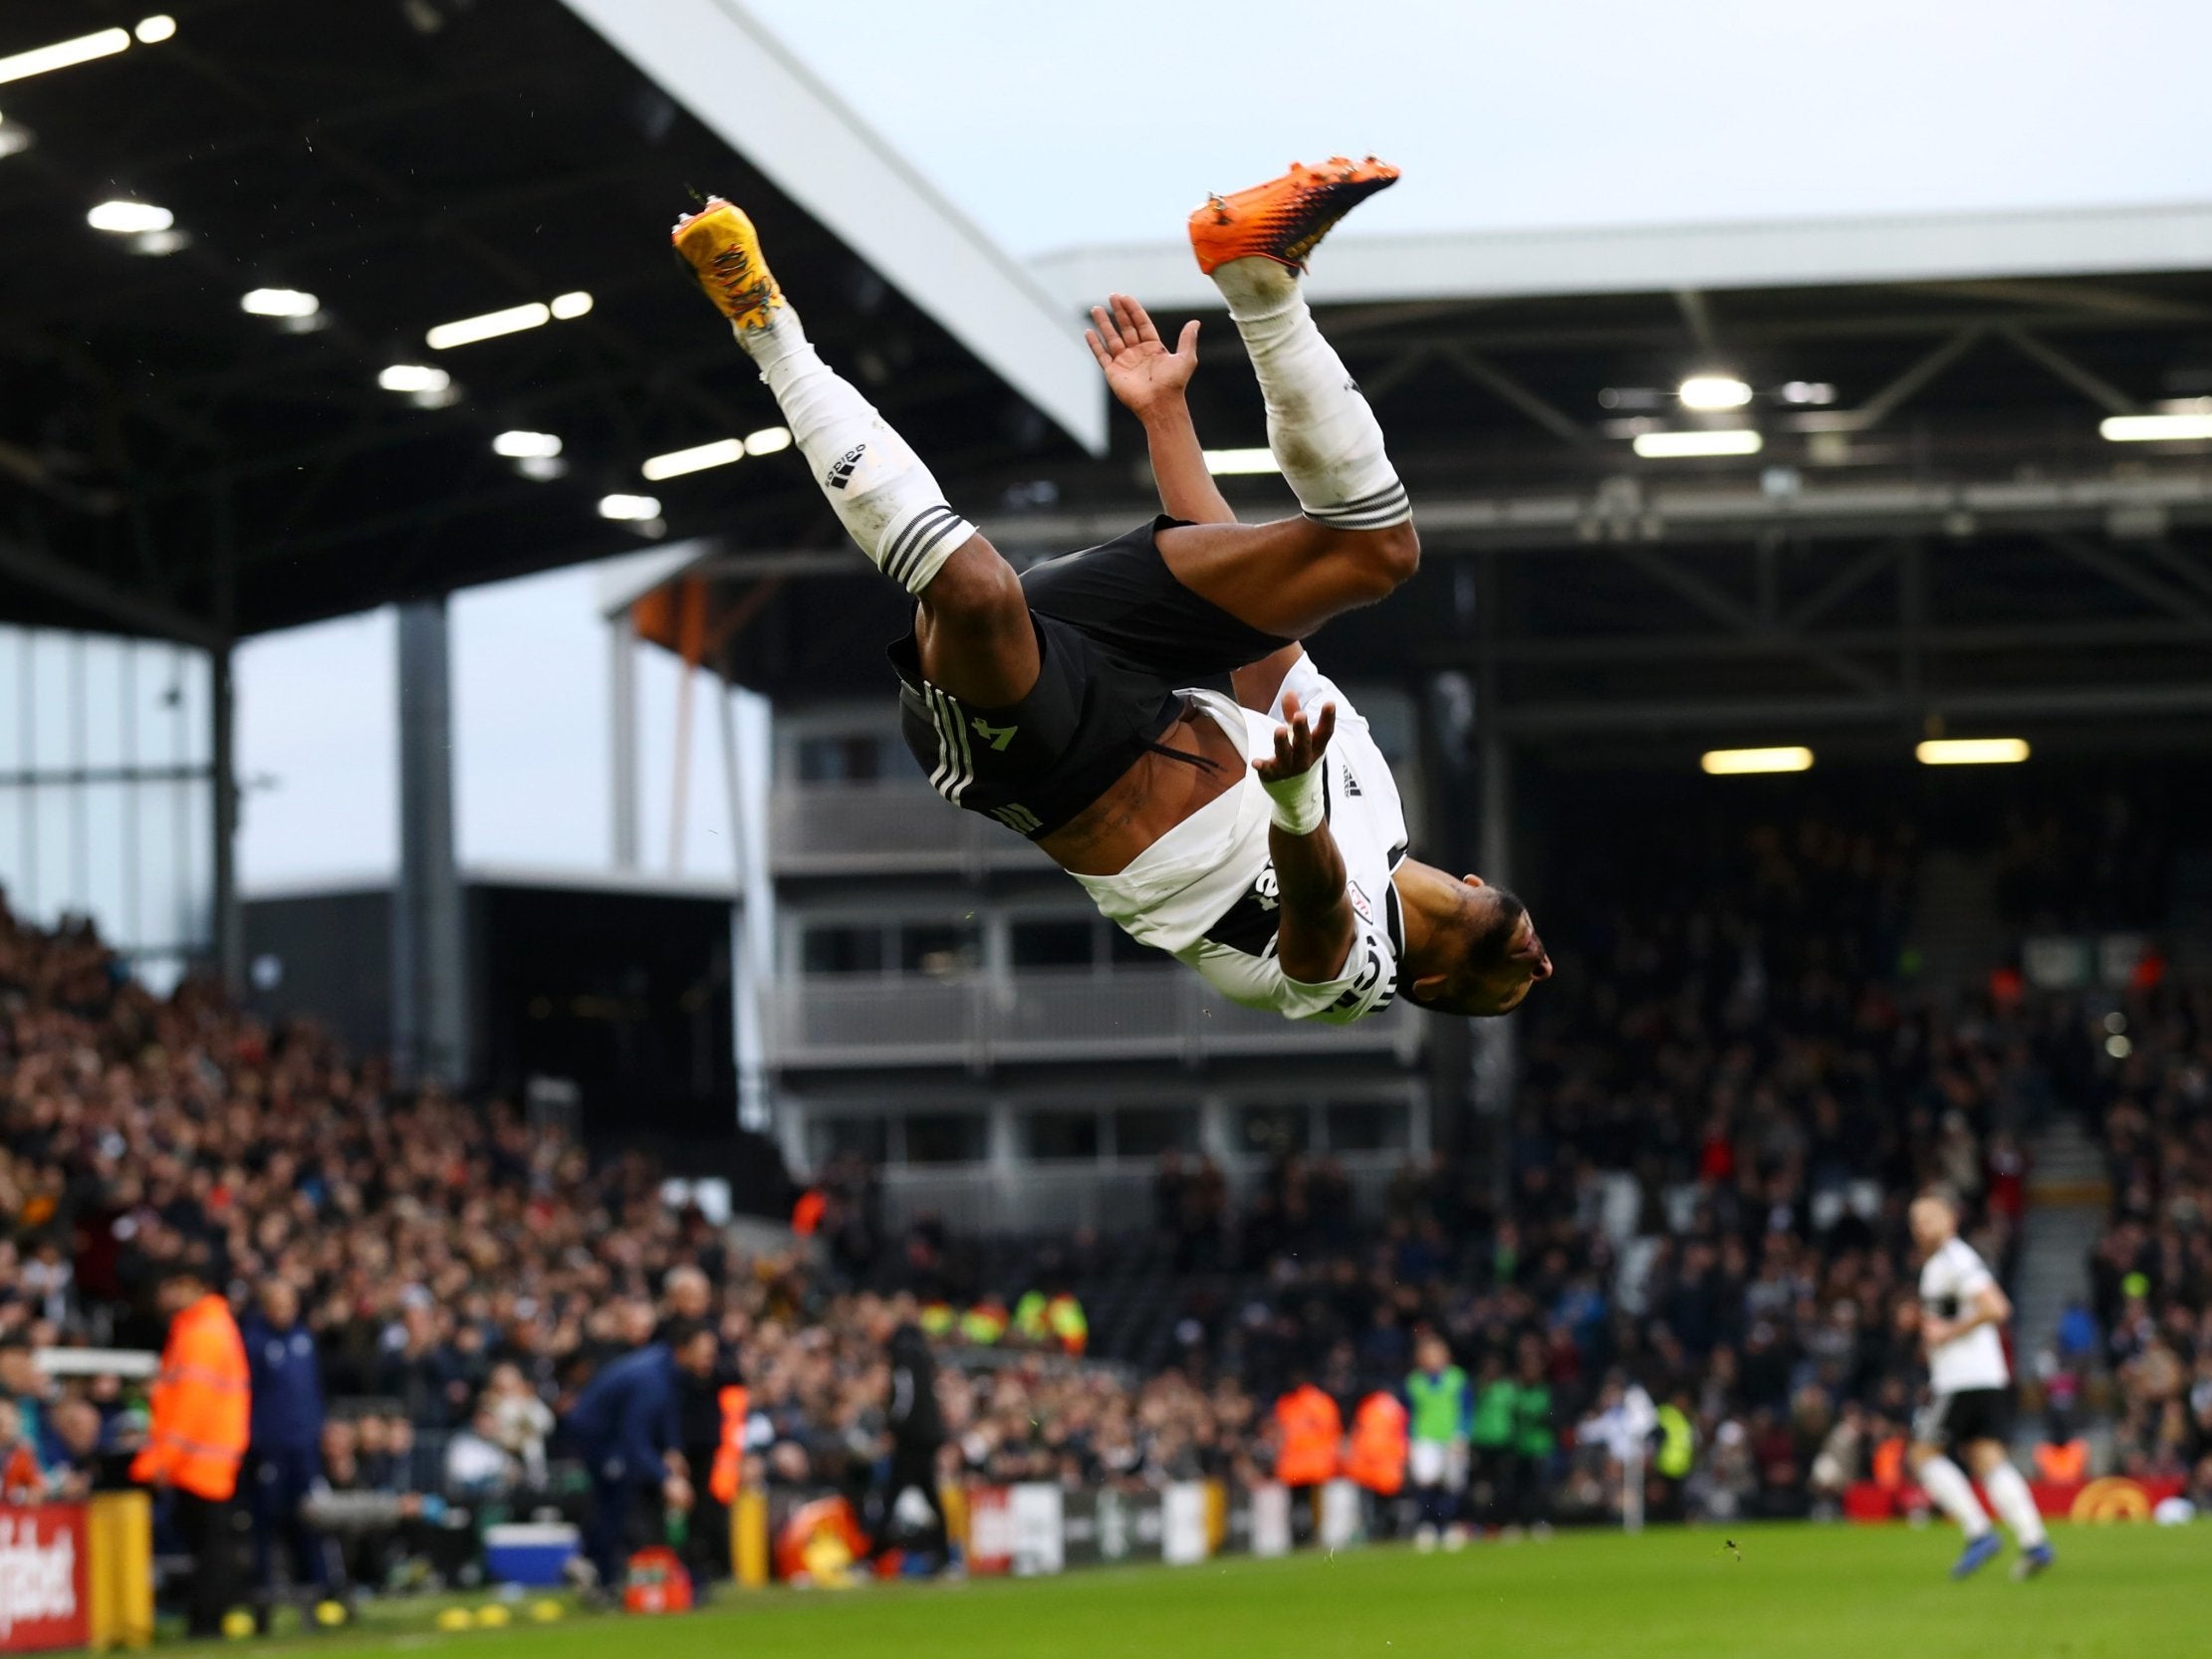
(1490, 941)
(1479, 940)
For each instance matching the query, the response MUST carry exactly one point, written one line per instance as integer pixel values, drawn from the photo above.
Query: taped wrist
(1299, 806)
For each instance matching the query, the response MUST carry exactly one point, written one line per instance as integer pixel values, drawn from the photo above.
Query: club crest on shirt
(1360, 903)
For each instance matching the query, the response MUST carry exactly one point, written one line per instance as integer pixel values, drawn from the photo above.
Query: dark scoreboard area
(610, 1008)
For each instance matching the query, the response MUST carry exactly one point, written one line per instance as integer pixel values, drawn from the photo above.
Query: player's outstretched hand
(1139, 368)
(1299, 744)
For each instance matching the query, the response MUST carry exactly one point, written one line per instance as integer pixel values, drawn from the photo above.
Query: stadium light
(15, 138)
(152, 31)
(1730, 763)
(129, 218)
(279, 302)
(542, 469)
(2177, 421)
(1972, 750)
(769, 440)
(629, 509)
(1713, 392)
(63, 54)
(521, 446)
(1808, 392)
(1670, 446)
(157, 243)
(415, 378)
(469, 330)
(567, 308)
(720, 453)
(1237, 463)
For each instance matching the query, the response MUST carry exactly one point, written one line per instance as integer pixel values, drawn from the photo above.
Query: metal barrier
(883, 828)
(982, 1020)
(1107, 1197)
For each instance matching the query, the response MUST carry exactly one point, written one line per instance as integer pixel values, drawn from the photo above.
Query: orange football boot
(1285, 218)
(722, 249)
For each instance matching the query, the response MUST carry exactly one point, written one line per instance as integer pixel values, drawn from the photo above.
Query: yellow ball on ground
(454, 1618)
(330, 1613)
(544, 1610)
(237, 1624)
(492, 1615)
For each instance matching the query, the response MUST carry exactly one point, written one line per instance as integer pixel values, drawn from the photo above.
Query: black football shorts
(1117, 638)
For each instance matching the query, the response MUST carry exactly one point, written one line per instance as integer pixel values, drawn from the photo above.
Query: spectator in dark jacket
(628, 1426)
(284, 1459)
(918, 1432)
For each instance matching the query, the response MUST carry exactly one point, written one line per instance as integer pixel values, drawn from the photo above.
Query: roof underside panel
(408, 166)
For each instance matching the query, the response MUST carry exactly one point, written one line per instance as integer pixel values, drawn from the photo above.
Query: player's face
(1932, 1225)
(1528, 964)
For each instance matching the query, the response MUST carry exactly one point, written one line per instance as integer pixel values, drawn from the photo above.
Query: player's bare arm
(1315, 926)
(1150, 382)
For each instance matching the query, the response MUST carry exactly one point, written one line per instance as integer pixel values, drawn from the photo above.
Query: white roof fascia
(736, 78)
(623, 579)
(1813, 253)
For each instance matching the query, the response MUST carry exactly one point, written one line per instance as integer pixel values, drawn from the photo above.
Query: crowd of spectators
(1728, 1093)
(2150, 1274)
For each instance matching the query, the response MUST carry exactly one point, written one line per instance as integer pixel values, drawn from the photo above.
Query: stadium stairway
(2069, 1197)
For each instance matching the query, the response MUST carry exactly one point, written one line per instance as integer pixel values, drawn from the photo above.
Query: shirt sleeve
(1970, 1275)
(1367, 984)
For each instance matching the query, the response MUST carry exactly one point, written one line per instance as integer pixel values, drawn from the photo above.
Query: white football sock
(1323, 435)
(2010, 1496)
(886, 498)
(1946, 1483)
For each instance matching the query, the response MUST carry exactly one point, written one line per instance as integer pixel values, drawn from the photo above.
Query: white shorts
(1437, 1463)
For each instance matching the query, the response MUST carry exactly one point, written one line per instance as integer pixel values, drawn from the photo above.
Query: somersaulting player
(1263, 843)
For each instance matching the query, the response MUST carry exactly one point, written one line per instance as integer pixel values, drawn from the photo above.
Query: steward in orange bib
(729, 1452)
(1309, 1430)
(2063, 1461)
(1376, 1459)
(201, 1412)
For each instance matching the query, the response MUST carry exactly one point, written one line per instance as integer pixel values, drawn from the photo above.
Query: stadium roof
(1779, 253)
(173, 464)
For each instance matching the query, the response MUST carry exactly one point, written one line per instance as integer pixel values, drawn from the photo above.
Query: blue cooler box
(531, 1553)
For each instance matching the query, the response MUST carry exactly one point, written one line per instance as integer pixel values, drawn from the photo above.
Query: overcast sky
(1056, 124)
(1053, 125)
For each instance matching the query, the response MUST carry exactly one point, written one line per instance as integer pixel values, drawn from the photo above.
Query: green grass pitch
(1835, 1592)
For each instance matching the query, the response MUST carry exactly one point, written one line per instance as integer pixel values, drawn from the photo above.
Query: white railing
(860, 829)
(1045, 1014)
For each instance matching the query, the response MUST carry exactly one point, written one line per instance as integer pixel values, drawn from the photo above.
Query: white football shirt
(1950, 1280)
(1205, 892)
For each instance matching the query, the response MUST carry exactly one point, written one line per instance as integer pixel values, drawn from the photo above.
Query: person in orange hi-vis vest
(1376, 1458)
(2063, 1461)
(1309, 1430)
(729, 1456)
(200, 1415)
